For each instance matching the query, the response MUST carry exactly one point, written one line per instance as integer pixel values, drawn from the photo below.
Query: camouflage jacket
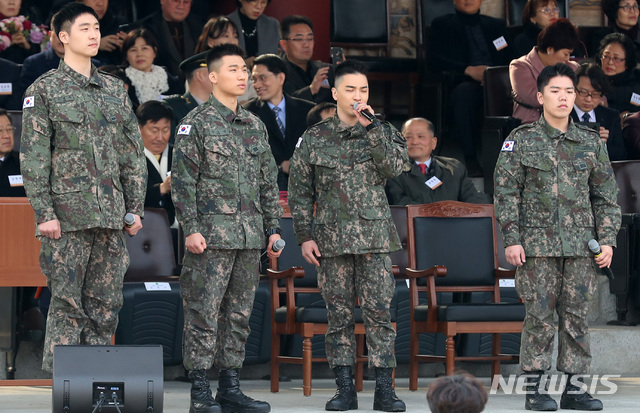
(82, 155)
(223, 178)
(555, 191)
(344, 170)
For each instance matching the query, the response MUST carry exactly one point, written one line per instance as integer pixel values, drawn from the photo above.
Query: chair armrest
(504, 273)
(435, 271)
(293, 272)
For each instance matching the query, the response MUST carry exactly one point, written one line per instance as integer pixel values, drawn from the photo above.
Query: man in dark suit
(592, 84)
(431, 179)
(10, 177)
(463, 44)
(283, 115)
(176, 30)
(10, 73)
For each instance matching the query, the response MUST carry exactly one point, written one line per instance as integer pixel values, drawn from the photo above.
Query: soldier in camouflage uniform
(342, 164)
(83, 168)
(555, 191)
(225, 193)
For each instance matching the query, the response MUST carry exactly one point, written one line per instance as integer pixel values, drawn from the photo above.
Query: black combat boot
(385, 398)
(576, 398)
(535, 399)
(201, 399)
(232, 399)
(346, 397)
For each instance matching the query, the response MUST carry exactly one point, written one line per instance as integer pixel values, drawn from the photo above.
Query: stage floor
(290, 398)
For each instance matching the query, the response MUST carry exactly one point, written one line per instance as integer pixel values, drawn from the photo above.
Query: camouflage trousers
(218, 288)
(565, 286)
(84, 271)
(369, 277)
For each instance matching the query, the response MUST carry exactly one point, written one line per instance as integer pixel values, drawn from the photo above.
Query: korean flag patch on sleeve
(507, 146)
(29, 102)
(184, 129)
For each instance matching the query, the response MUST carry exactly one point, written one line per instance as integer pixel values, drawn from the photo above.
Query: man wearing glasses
(306, 79)
(592, 84)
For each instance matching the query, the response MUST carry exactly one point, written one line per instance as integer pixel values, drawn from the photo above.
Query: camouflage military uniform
(553, 193)
(83, 164)
(181, 106)
(224, 187)
(344, 169)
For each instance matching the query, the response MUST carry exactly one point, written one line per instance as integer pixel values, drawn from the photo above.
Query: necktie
(423, 168)
(276, 111)
(586, 117)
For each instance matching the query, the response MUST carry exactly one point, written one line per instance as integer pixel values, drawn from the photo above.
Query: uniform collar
(79, 78)
(573, 133)
(242, 116)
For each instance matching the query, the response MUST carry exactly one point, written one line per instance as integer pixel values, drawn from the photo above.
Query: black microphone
(370, 117)
(595, 248)
(278, 245)
(129, 219)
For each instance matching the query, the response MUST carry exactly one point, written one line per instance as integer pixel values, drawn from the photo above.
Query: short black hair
(559, 34)
(250, 1)
(610, 9)
(287, 22)
(67, 15)
(3, 112)
(460, 393)
(315, 114)
(273, 63)
(349, 67)
(626, 43)
(220, 51)
(559, 69)
(596, 76)
(153, 111)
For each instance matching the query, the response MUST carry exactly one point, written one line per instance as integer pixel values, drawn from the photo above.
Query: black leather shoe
(385, 398)
(537, 400)
(346, 397)
(576, 398)
(231, 398)
(201, 399)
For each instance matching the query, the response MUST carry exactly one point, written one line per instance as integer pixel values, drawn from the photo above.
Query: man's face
(99, 6)
(230, 76)
(420, 140)
(268, 86)
(467, 6)
(83, 38)
(593, 98)
(557, 98)
(175, 10)
(299, 47)
(350, 89)
(6, 136)
(155, 135)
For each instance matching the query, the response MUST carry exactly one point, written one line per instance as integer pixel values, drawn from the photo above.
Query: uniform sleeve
(604, 195)
(389, 150)
(509, 178)
(185, 169)
(133, 166)
(35, 157)
(301, 195)
(269, 193)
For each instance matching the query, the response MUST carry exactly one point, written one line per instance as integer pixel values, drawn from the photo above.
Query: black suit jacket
(449, 49)
(153, 198)
(296, 123)
(10, 166)
(10, 73)
(609, 119)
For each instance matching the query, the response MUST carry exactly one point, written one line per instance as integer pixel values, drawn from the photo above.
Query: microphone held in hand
(370, 117)
(278, 245)
(129, 219)
(595, 248)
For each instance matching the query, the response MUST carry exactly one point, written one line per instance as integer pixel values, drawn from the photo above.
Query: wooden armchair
(452, 248)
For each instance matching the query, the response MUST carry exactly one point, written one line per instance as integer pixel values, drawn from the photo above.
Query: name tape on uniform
(28, 102)
(635, 99)
(15, 180)
(433, 182)
(6, 88)
(507, 146)
(500, 43)
(184, 129)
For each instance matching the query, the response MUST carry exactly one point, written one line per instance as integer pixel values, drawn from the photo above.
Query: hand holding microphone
(594, 246)
(132, 224)
(364, 112)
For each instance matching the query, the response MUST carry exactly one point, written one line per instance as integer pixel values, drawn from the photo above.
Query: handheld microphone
(129, 219)
(595, 248)
(278, 245)
(370, 117)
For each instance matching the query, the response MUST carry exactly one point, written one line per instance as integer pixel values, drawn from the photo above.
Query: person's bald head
(419, 133)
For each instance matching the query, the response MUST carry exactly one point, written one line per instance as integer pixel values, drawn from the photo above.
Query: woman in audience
(555, 44)
(260, 33)
(537, 15)
(218, 30)
(617, 58)
(623, 18)
(148, 81)
(21, 46)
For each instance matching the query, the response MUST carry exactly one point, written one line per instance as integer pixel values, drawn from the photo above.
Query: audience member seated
(430, 179)
(464, 44)
(623, 18)
(283, 115)
(460, 393)
(306, 79)
(176, 30)
(217, 30)
(260, 33)
(536, 15)
(320, 112)
(154, 120)
(10, 74)
(555, 44)
(148, 81)
(9, 159)
(618, 57)
(111, 37)
(21, 47)
(592, 84)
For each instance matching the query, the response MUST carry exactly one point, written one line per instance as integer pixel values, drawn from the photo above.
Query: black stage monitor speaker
(107, 379)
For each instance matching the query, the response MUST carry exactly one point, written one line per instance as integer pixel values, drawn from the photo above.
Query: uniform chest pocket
(539, 171)
(67, 119)
(326, 169)
(218, 158)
